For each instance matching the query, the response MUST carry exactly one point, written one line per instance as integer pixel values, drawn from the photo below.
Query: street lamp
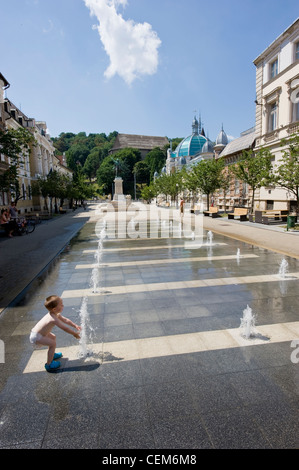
(134, 186)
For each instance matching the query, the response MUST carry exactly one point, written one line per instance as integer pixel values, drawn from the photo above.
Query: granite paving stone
(167, 366)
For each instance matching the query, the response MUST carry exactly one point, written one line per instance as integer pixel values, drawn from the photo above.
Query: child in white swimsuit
(41, 334)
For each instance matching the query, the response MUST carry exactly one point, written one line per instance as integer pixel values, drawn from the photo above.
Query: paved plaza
(163, 363)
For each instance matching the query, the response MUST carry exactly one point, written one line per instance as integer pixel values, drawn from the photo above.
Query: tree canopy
(84, 151)
(255, 170)
(122, 164)
(206, 176)
(287, 171)
(15, 144)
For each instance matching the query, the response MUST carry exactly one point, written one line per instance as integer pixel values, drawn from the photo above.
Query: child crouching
(41, 334)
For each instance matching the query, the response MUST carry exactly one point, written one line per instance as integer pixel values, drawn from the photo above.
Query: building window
(297, 51)
(272, 117)
(296, 110)
(3, 198)
(274, 68)
(244, 189)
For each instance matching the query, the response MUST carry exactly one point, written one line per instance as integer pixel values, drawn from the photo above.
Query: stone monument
(118, 188)
(119, 200)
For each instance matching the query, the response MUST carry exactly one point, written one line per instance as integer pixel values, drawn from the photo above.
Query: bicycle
(25, 226)
(30, 226)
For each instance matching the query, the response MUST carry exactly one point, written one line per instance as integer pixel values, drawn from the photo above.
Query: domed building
(193, 148)
(221, 142)
(191, 145)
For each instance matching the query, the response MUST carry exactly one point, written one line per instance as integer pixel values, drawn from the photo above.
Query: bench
(30, 216)
(239, 212)
(44, 216)
(271, 216)
(212, 210)
(195, 209)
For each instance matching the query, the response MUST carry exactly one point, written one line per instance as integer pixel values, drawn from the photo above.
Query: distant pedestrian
(8, 225)
(182, 207)
(41, 333)
(14, 213)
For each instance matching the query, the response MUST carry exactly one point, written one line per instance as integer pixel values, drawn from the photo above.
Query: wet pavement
(169, 367)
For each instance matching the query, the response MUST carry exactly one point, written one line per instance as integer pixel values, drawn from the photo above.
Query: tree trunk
(252, 201)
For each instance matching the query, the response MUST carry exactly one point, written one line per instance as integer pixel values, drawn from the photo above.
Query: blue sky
(138, 66)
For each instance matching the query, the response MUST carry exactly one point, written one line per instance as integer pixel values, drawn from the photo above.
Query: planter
(291, 221)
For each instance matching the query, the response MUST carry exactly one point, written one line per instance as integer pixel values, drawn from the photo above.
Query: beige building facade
(239, 193)
(33, 166)
(277, 118)
(4, 164)
(277, 107)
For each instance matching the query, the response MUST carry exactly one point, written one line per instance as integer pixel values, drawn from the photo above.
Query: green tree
(124, 161)
(106, 174)
(15, 144)
(225, 182)
(148, 192)
(76, 156)
(64, 183)
(92, 163)
(287, 170)
(162, 185)
(170, 185)
(155, 160)
(254, 169)
(142, 172)
(79, 147)
(63, 142)
(81, 190)
(206, 176)
(48, 187)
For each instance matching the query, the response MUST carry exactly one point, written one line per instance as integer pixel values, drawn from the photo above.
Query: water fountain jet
(85, 326)
(248, 323)
(283, 269)
(95, 278)
(209, 238)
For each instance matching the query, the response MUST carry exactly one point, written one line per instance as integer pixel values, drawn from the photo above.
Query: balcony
(270, 136)
(293, 128)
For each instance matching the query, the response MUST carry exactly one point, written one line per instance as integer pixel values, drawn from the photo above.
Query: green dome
(190, 146)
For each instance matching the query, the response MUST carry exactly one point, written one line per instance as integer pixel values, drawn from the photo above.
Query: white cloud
(132, 47)
(50, 28)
